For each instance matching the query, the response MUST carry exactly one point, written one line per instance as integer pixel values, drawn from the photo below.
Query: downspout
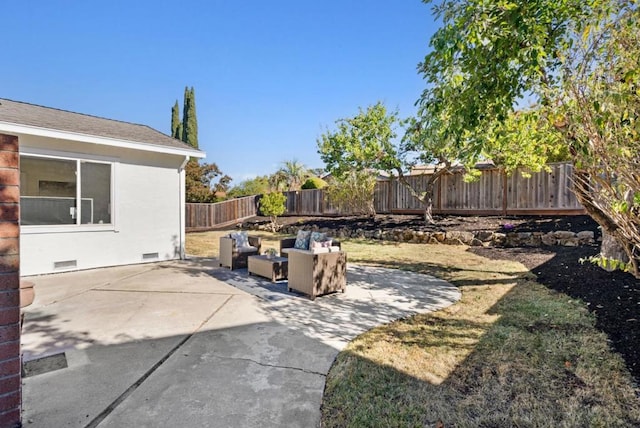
(182, 198)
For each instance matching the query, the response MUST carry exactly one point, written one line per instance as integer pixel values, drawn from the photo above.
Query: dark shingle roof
(20, 113)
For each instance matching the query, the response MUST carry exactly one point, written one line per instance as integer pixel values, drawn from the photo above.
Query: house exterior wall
(146, 212)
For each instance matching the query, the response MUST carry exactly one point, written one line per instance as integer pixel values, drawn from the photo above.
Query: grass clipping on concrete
(510, 353)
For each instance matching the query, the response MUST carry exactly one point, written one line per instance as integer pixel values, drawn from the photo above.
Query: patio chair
(233, 252)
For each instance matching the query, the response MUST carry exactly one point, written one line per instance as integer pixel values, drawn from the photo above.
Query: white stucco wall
(146, 212)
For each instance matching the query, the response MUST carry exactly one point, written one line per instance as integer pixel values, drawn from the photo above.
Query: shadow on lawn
(541, 363)
(613, 297)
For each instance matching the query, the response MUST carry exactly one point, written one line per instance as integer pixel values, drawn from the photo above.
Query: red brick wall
(10, 382)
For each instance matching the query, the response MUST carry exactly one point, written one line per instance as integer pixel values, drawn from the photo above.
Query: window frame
(78, 226)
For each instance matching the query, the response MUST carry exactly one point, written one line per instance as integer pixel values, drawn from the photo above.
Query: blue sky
(270, 76)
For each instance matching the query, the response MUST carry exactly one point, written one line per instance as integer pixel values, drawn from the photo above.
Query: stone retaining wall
(476, 238)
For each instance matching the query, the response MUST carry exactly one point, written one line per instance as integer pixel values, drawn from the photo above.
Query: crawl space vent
(149, 256)
(65, 264)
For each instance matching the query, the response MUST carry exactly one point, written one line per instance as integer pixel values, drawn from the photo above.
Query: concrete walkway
(189, 344)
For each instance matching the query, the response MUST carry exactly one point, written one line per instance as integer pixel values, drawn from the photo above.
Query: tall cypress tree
(176, 125)
(199, 178)
(189, 120)
(193, 121)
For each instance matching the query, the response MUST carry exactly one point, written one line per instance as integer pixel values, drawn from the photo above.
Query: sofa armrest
(255, 241)
(286, 243)
(227, 250)
(227, 244)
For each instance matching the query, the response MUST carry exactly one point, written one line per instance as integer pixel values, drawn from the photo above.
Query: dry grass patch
(207, 244)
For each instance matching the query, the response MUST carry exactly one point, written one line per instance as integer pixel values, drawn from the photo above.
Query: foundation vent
(65, 264)
(149, 256)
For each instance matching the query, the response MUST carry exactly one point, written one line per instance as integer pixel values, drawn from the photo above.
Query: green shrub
(273, 205)
(353, 193)
(314, 183)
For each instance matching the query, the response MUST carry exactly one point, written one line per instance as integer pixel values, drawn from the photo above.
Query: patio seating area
(312, 263)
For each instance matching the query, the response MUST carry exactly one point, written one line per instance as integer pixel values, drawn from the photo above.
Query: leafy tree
(360, 147)
(598, 117)
(201, 184)
(189, 119)
(295, 173)
(314, 183)
(278, 181)
(577, 59)
(524, 139)
(368, 143)
(353, 192)
(273, 205)
(254, 186)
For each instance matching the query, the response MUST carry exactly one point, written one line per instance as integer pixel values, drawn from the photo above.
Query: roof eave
(94, 139)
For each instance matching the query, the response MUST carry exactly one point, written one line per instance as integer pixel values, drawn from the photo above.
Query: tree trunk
(609, 225)
(428, 203)
(425, 197)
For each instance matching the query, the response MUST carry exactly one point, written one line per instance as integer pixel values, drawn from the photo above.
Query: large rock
(439, 236)
(484, 235)
(462, 236)
(563, 234)
(586, 237)
(549, 239)
(610, 249)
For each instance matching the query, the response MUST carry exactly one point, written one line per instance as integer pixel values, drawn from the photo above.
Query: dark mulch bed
(443, 223)
(614, 297)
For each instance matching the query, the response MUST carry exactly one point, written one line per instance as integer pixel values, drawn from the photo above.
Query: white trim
(182, 200)
(86, 138)
(66, 228)
(61, 154)
(78, 226)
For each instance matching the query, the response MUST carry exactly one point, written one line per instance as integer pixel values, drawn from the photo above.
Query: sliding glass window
(50, 189)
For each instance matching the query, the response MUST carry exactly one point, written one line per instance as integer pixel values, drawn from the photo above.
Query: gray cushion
(302, 240)
(241, 238)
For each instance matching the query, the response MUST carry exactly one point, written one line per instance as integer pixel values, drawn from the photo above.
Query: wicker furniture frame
(315, 274)
(235, 258)
(274, 268)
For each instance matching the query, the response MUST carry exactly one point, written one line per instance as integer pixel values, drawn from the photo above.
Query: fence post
(505, 193)
(440, 192)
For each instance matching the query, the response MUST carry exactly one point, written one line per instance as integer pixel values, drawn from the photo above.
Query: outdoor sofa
(236, 247)
(315, 274)
(287, 244)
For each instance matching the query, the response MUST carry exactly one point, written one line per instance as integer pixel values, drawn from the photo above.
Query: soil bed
(614, 297)
(444, 223)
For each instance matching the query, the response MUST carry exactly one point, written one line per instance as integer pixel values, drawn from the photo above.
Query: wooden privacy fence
(494, 193)
(309, 202)
(219, 214)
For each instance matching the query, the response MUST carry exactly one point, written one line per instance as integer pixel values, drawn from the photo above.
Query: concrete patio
(190, 344)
